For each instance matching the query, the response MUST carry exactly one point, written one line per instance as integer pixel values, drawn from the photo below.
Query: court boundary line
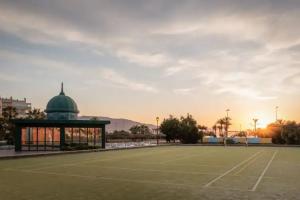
(123, 180)
(186, 157)
(104, 178)
(183, 165)
(135, 169)
(247, 164)
(93, 160)
(264, 171)
(160, 171)
(170, 171)
(230, 170)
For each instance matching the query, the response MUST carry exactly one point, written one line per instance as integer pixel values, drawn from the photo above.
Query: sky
(139, 59)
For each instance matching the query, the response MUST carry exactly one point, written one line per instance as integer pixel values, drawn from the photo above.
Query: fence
(5, 146)
(129, 144)
(238, 140)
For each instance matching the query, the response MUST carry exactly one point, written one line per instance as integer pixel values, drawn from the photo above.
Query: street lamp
(227, 110)
(227, 122)
(276, 114)
(255, 122)
(157, 119)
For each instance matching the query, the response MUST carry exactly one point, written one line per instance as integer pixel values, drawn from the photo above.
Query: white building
(21, 105)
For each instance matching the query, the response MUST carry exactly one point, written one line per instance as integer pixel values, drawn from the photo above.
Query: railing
(5, 146)
(131, 144)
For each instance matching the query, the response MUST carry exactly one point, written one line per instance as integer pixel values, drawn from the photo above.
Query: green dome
(62, 107)
(61, 103)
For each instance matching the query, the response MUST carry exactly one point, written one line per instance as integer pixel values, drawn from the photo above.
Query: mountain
(118, 124)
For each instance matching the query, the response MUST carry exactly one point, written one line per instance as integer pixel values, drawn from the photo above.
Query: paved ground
(12, 153)
(176, 172)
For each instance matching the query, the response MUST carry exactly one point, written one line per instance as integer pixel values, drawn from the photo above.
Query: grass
(175, 172)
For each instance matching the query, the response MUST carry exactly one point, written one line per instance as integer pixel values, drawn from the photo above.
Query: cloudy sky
(139, 59)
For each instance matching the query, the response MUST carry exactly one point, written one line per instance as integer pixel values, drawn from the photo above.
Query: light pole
(227, 122)
(157, 119)
(227, 110)
(276, 114)
(240, 128)
(255, 122)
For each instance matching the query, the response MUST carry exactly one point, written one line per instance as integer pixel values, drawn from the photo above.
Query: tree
(290, 132)
(9, 113)
(202, 127)
(135, 129)
(140, 129)
(171, 128)
(227, 124)
(274, 131)
(221, 123)
(202, 131)
(214, 127)
(119, 135)
(144, 130)
(281, 132)
(185, 129)
(6, 126)
(140, 132)
(35, 114)
(189, 133)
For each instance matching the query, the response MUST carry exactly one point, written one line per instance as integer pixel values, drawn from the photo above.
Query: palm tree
(221, 122)
(202, 127)
(214, 127)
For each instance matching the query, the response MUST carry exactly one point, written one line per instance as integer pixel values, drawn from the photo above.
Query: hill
(118, 123)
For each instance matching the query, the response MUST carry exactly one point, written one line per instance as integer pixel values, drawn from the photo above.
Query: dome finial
(62, 89)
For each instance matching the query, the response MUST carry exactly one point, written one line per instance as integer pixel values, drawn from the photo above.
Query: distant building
(21, 105)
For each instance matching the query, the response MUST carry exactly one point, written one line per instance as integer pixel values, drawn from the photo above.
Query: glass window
(69, 136)
(83, 135)
(40, 138)
(48, 138)
(76, 135)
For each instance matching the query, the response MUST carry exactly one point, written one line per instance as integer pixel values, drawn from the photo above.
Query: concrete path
(10, 153)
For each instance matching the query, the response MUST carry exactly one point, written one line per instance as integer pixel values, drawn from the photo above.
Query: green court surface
(169, 172)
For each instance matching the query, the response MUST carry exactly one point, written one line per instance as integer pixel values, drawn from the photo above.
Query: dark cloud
(229, 40)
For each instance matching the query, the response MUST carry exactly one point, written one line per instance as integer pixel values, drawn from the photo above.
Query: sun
(264, 119)
(263, 122)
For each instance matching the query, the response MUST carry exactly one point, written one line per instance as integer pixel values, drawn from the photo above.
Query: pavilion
(61, 130)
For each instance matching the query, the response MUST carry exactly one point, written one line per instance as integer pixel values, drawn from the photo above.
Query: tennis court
(168, 172)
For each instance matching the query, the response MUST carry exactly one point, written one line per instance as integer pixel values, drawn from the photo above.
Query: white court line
(183, 165)
(159, 171)
(264, 171)
(247, 165)
(230, 170)
(184, 157)
(94, 160)
(105, 178)
(117, 179)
